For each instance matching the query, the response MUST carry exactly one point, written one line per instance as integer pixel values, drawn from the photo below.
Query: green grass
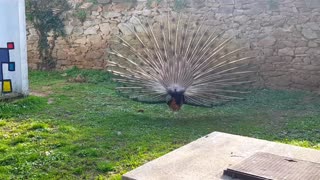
(88, 131)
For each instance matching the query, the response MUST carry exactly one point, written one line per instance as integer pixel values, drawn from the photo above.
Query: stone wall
(283, 35)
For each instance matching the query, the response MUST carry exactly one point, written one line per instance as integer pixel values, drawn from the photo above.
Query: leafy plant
(45, 15)
(105, 166)
(81, 14)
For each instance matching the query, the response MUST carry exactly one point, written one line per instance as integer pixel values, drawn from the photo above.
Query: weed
(105, 166)
(81, 14)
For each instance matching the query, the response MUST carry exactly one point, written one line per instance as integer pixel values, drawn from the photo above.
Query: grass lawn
(87, 131)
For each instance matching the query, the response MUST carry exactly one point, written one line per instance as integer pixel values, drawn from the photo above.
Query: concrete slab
(207, 157)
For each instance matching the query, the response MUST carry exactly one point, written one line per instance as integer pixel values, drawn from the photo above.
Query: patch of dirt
(44, 92)
(38, 94)
(50, 101)
(78, 79)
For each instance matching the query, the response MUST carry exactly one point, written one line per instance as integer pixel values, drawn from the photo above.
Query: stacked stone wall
(282, 35)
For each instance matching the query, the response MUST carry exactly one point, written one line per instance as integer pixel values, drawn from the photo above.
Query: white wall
(13, 29)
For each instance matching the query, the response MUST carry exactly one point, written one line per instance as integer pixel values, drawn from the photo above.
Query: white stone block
(209, 156)
(13, 48)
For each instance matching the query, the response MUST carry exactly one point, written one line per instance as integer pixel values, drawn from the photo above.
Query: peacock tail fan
(179, 60)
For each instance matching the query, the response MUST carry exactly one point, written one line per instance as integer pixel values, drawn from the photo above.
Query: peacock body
(178, 61)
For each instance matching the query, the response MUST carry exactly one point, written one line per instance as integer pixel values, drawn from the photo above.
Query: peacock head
(175, 98)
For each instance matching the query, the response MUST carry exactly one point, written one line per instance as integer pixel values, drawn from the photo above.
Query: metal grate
(265, 166)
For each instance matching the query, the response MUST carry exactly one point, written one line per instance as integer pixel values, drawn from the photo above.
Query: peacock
(179, 61)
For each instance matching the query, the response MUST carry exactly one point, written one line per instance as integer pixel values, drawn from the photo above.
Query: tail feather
(176, 55)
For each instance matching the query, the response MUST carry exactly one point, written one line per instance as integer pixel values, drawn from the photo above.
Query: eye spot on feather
(146, 24)
(173, 20)
(145, 56)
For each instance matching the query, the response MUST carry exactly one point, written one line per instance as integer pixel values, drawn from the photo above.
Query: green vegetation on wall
(81, 14)
(45, 15)
(93, 1)
(149, 2)
(179, 4)
(273, 4)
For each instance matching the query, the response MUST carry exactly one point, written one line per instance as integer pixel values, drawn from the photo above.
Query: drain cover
(264, 166)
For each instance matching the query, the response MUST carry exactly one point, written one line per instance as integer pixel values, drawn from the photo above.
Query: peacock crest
(178, 60)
